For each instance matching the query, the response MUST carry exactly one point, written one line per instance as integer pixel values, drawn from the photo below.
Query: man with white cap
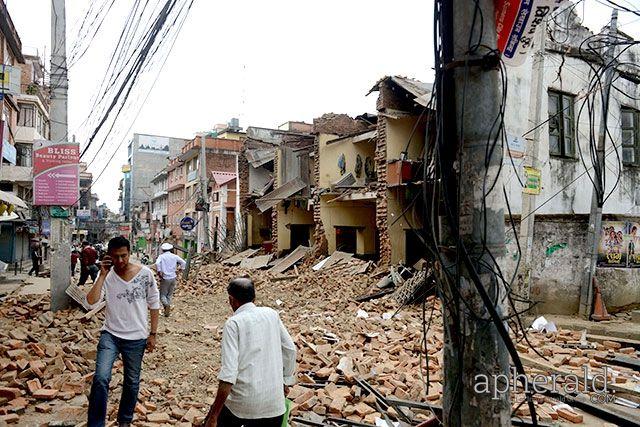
(166, 265)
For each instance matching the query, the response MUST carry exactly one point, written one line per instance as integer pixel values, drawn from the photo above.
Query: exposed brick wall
(243, 172)
(338, 124)
(321, 246)
(274, 211)
(381, 201)
(243, 177)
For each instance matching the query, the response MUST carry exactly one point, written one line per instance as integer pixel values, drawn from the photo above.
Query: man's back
(167, 263)
(257, 354)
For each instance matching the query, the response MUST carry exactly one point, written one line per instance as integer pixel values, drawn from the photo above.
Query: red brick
(10, 393)
(45, 394)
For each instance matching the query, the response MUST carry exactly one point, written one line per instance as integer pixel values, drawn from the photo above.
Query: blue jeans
(109, 347)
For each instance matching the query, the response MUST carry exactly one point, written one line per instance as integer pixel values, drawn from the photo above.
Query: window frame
(635, 128)
(566, 143)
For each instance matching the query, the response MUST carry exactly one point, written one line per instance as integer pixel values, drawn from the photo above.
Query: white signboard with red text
(55, 173)
(516, 24)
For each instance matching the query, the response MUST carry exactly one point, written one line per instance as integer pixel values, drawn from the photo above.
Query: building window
(561, 125)
(23, 155)
(27, 115)
(630, 136)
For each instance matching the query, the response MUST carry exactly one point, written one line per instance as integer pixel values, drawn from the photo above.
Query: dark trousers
(35, 266)
(73, 269)
(109, 347)
(85, 272)
(227, 419)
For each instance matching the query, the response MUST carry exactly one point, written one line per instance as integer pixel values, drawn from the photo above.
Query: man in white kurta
(258, 361)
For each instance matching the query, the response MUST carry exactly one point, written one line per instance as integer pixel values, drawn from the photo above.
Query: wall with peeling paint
(559, 260)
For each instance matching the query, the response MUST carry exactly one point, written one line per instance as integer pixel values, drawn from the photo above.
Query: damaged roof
(418, 89)
(281, 193)
(260, 156)
(221, 178)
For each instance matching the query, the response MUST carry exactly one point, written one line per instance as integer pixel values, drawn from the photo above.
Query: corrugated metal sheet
(260, 156)
(283, 192)
(415, 87)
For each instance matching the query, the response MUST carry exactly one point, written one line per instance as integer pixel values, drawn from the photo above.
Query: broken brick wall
(384, 242)
(338, 124)
(319, 235)
(274, 211)
(245, 199)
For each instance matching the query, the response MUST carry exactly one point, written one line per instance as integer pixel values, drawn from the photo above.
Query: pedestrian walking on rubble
(167, 264)
(75, 255)
(88, 267)
(34, 251)
(258, 361)
(130, 291)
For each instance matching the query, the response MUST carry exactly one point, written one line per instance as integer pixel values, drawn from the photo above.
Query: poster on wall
(633, 243)
(614, 244)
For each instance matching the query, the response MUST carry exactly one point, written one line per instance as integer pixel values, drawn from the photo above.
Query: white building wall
(566, 188)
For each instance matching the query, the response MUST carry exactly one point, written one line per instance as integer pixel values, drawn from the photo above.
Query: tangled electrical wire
(444, 165)
(143, 47)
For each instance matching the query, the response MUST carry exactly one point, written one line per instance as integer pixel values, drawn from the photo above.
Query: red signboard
(55, 173)
(516, 24)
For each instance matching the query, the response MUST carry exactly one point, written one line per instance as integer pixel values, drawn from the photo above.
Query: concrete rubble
(355, 359)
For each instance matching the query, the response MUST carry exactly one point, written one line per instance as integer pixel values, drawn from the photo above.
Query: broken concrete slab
(237, 258)
(256, 263)
(288, 261)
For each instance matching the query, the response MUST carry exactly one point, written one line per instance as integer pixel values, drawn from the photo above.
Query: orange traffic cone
(599, 309)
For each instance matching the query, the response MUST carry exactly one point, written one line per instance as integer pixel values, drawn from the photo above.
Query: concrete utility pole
(203, 223)
(60, 228)
(473, 347)
(597, 197)
(537, 94)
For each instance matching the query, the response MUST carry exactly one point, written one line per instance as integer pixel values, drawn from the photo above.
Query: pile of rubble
(361, 354)
(44, 357)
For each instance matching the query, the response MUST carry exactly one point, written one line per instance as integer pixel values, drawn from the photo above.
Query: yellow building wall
(396, 204)
(398, 131)
(329, 153)
(256, 221)
(350, 214)
(293, 215)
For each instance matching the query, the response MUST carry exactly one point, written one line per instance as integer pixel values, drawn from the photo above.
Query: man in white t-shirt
(129, 291)
(167, 264)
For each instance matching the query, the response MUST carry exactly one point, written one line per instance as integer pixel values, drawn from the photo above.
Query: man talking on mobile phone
(129, 290)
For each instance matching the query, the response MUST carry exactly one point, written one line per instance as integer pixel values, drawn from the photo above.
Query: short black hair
(117, 243)
(242, 289)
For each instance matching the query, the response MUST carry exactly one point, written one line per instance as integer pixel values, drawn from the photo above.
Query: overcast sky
(265, 62)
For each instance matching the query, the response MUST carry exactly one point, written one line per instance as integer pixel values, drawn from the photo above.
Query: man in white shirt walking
(258, 361)
(166, 265)
(129, 290)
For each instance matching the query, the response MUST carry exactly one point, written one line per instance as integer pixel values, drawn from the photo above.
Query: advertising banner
(619, 244)
(83, 213)
(55, 173)
(516, 25)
